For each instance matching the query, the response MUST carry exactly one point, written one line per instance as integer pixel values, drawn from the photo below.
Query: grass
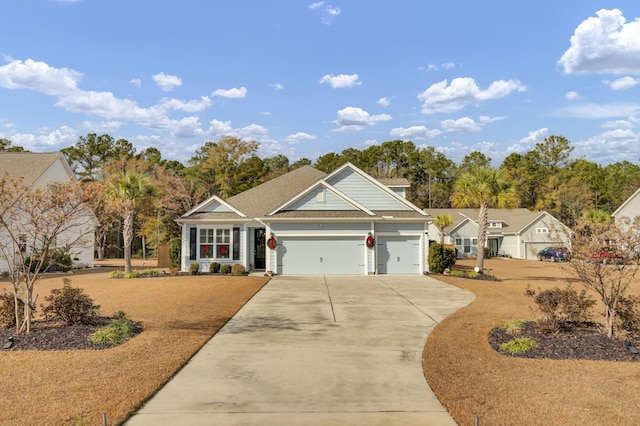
(179, 315)
(471, 379)
(518, 345)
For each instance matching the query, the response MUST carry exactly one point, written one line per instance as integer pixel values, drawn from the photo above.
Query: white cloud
(485, 119)
(341, 81)
(276, 86)
(40, 77)
(591, 110)
(622, 83)
(384, 101)
(462, 125)
(326, 11)
(356, 119)
(188, 106)
(102, 127)
(611, 146)
(442, 97)
(414, 133)
(630, 123)
(606, 43)
(136, 82)
(46, 141)
(297, 137)
(435, 67)
(234, 93)
(224, 128)
(572, 96)
(167, 82)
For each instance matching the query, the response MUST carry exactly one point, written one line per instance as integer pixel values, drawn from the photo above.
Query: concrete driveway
(316, 350)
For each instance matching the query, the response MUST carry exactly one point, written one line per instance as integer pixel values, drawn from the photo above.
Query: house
(630, 209)
(41, 169)
(309, 222)
(516, 233)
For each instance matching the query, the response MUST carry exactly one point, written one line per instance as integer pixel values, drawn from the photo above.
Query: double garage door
(346, 255)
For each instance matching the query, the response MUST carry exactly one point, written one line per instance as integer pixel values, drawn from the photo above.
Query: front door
(259, 248)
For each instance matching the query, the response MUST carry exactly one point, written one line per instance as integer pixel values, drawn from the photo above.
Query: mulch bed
(52, 335)
(583, 341)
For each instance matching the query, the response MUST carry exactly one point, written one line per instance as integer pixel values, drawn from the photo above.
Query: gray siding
(366, 193)
(331, 202)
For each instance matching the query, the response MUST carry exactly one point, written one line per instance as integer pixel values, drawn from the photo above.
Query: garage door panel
(399, 255)
(321, 256)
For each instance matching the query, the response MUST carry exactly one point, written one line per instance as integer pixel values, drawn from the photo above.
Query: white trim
(209, 201)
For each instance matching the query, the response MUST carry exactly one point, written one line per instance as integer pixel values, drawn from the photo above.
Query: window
(467, 245)
(215, 243)
(542, 230)
(22, 242)
(459, 242)
(495, 224)
(321, 198)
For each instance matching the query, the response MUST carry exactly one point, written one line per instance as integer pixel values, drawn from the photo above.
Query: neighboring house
(516, 233)
(38, 170)
(629, 209)
(320, 224)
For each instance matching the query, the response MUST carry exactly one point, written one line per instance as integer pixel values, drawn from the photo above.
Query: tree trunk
(482, 234)
(127, 234)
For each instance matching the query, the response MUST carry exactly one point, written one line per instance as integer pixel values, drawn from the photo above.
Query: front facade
(630, 209)
(38, 170)
(309, 223)
(516, 233)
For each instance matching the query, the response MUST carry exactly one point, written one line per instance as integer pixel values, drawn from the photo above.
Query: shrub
(561, 307)
(8, 310)
(114, 333)
(513, 327)
(627, 318)
(518, 345)
(116, 274)
(225, 269)
(238, 269)
(132, 274)
(440, 257)
(194, 267)
(71, 305)
(175, 252)
(214, 267)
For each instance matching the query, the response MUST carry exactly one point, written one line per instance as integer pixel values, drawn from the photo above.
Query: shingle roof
(26, 165)
(264, 198)
(514, 219)
(394, 181)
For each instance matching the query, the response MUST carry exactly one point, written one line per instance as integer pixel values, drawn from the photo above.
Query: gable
(365, 192)
(321, 198)
(630, 208)
(214, 206)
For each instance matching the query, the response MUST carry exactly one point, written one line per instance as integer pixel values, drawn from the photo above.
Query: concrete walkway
(320, 350)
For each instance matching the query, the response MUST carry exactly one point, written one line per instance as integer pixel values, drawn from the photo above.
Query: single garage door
(399, 255)
(321, 256)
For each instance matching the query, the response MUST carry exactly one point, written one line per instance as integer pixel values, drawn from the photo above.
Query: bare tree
(33, 224)
(606, 260)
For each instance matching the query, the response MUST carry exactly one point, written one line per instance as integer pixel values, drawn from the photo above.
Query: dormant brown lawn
(471, 379)
(179, 315)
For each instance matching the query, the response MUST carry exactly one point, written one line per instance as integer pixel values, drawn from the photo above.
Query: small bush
(132, 274)
(238, 269)
(175, 252)
(194, 267)
(518, 345)
(71, 305)
(8, 310)
(561, 307)
(440, 258)
(513, 327)
(214, 267)
(116, 274)
(225, 269)
(114, 333)
(627, 318)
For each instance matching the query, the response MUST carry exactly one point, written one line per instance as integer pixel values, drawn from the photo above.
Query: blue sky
(307, 78)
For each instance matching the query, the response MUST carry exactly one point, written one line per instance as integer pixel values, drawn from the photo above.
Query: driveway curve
(316, 350)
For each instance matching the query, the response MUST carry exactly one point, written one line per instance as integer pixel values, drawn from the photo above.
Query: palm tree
(442, 222)
(483, 188)
(130, 190)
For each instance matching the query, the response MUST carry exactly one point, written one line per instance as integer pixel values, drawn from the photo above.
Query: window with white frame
(542, 230)
(215, 243)
(467, 245)
(459, 242)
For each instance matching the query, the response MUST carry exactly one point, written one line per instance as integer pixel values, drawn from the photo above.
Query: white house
(629, 209)
(309, 222)
(41, 169)
(516, 233)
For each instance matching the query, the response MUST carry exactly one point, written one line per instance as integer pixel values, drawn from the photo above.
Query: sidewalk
(338, 350)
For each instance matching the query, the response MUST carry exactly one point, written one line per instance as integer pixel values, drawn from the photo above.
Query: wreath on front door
(371, 242)
(272, 243)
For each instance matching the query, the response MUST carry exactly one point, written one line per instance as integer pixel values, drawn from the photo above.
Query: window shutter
(192, 243)
(236, 243)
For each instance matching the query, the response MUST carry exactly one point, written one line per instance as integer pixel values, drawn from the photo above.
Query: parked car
(554, 254)
(608, 255)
